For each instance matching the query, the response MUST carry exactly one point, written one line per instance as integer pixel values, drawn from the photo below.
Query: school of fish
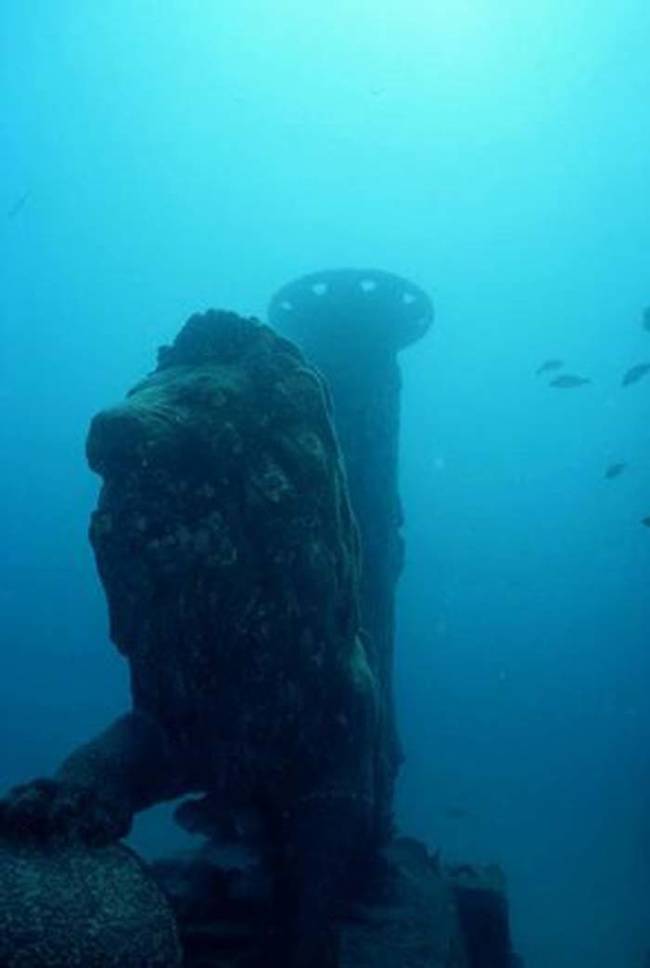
(570, 381)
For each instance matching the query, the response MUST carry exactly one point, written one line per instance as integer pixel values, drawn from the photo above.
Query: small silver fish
(549, 365)
(614, 470)
(635, 373)
(567, 381)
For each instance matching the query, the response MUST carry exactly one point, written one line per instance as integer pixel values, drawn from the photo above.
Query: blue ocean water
(163, 157)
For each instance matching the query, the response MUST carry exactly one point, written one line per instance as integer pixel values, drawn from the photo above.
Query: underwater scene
(325, 560)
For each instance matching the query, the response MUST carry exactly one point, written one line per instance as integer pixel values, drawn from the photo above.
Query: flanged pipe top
(354, 304)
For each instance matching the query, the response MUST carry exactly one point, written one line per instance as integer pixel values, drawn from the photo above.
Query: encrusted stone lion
(229, 555)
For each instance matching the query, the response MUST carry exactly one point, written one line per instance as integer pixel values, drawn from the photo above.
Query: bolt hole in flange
(360, 302)
(368, 285)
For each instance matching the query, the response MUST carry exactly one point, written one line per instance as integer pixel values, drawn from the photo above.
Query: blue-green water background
(181, 155)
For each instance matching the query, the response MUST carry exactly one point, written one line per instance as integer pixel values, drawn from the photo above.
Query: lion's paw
(46, 810)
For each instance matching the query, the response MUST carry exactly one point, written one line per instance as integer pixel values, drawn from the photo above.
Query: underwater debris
(615, 470)
(568, 381)
(549, 365)
(483, 913)
(397, 910)
(635, 373)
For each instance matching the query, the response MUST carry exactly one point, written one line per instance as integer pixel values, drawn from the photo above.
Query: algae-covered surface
(68, 905)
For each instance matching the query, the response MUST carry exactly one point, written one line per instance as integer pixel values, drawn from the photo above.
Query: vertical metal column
(351, 324)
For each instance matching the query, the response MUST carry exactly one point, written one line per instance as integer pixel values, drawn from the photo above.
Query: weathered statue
(229, 556)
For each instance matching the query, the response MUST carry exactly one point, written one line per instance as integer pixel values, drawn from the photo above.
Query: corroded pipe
(352, 324)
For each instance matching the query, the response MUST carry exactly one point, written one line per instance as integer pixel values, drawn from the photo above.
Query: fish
(18, 206)
(646, 521)
(645, 318)
(635, 373)
(568, 381)
(614, 470)
(548, 365)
